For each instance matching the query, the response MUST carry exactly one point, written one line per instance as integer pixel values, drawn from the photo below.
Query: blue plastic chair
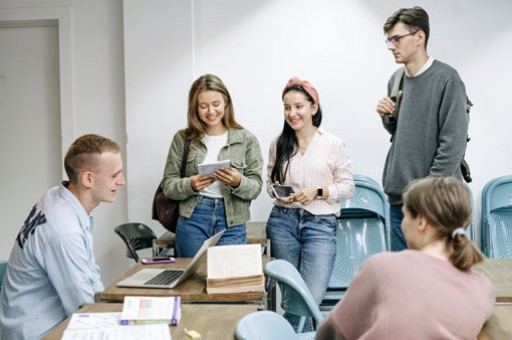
(295, 295)
(3, 267)
(267, 325)
(363, 230)
(497, 218)
(470, 230)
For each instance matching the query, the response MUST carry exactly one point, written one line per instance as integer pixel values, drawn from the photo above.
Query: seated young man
(51, 271)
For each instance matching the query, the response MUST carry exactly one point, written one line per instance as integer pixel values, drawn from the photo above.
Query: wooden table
(256, 233)
(499, 271)
(499, 326)
(192, 290)
(216, 321)
(212, 321)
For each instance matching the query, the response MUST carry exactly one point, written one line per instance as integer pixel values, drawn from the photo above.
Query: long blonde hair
(208, 82)
(445, 203)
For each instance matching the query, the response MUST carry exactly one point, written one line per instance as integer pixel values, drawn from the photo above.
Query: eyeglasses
(395, 40)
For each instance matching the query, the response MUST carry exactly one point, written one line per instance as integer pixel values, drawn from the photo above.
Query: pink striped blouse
(325, 163)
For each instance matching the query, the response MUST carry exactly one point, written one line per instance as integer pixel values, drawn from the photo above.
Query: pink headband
(305, 85)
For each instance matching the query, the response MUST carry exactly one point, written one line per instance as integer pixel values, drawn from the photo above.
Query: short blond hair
(82, 154)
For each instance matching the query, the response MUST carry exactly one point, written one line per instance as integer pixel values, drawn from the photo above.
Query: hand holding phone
(158, 260)
(282, 191)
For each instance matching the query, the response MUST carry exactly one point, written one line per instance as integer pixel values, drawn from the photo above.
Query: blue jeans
(397, 236)
(308, 242)
(208, 218)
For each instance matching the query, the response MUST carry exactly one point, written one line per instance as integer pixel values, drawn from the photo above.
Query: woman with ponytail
(427, 291)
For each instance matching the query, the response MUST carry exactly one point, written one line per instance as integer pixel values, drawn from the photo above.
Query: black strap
(399, 75)
(186, 147)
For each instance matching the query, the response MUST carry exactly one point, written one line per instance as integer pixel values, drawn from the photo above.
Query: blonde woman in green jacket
(212, 202)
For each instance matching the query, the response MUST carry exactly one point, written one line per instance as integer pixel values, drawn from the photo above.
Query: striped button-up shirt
(325, 163)
(51, 270)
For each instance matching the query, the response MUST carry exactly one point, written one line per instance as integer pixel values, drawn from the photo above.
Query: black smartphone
(282, 191)
(157, 260)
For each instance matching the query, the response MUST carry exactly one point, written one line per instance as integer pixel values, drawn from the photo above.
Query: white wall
(256, 46)
(92, 91)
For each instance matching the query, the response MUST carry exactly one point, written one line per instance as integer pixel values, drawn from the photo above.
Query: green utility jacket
(244, 152)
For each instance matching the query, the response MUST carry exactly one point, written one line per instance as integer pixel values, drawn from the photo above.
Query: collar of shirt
(86, 220)
(425, 67)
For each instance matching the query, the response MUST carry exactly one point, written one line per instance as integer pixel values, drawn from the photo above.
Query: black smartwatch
(319, 192)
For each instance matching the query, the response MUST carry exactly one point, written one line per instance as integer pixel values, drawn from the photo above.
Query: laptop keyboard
(165, 278)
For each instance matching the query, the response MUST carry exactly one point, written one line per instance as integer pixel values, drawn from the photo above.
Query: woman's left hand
(305, 196)
(228, 176)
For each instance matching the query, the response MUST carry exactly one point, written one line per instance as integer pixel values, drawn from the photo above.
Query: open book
(147, 310)
(235, 269)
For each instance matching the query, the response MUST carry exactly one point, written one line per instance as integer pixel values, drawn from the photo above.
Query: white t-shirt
(213, 146)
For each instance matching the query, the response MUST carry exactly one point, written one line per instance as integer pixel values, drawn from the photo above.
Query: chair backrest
(368, 201)
(136, 236)
(264, 325)
(3, 267)
(470, 230)
(362, 230)
(295, 295)
(496, 223)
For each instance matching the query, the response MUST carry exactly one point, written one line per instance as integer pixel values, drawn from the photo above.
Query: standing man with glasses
(429, 138)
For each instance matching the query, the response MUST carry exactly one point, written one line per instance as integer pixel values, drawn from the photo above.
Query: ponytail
(464, 253)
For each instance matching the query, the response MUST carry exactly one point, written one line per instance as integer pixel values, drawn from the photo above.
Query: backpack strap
(399, 75)
(391, 119)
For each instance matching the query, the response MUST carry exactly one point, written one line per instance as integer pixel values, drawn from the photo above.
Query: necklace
(306, 144)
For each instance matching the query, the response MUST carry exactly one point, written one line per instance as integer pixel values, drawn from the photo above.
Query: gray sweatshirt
(431, 131)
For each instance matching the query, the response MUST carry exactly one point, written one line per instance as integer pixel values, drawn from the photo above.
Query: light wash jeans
(208, 218)
(397, 236)
(308, 242)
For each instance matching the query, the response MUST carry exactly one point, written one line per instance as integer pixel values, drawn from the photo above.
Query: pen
(175, 315)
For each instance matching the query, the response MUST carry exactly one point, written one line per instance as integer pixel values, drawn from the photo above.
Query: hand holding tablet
(209, 168)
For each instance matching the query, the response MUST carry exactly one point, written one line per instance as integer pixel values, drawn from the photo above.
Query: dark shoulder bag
(165, 210)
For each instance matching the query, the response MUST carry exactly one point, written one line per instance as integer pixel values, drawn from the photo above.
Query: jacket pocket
(239, 165)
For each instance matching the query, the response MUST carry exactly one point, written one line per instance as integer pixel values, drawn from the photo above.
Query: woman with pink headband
(302, 226)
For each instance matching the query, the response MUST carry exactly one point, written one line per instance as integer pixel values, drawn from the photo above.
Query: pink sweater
(411, 295)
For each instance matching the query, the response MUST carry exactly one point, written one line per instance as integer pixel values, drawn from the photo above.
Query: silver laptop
(168, 278)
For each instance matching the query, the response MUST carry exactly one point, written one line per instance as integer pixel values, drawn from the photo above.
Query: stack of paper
(147, 310)
(105, 326)
(235, 269)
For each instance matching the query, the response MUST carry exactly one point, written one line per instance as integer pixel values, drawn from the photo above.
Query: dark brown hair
(415, 18)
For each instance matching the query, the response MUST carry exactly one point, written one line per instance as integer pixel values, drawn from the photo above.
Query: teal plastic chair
(362, 231)
(3, 267)
(497, 218)
(267, 325)
(470, 230)
(295, 295)
(136, 236)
